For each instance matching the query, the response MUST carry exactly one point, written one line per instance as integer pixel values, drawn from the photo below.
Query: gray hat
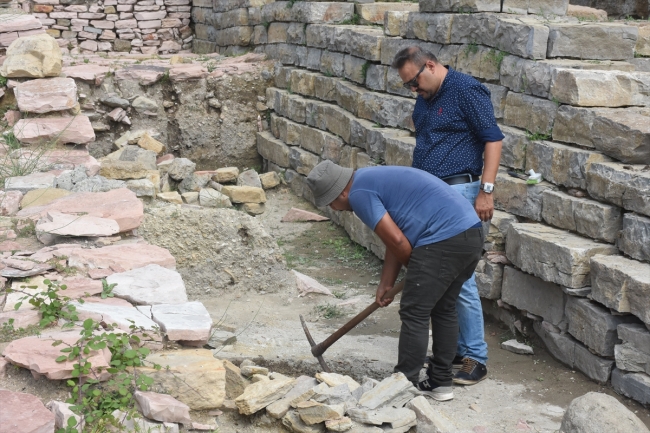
(327, 181)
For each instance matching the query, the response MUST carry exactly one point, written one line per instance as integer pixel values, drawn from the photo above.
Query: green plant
(329, 311)
(49, 303)
(61, 268)
(86, 60)
(496, 57)
(471, 48)
(266, 24)
(537, 136)
(556, 101)
(165, 77)
(107, 289)
(3, 81)
(355, 20)
(364, 71)
(11, 141)
(9, 333)
(328, 73)
(95, 401)
(338, 294)
(27, 230)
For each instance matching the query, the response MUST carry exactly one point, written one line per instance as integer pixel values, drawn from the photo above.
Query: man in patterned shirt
(458, 141)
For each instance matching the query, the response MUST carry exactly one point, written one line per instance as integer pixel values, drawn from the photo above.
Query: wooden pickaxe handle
(320, 348)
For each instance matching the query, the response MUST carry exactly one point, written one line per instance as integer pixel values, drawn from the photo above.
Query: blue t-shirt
(451, 128)
(426, 209)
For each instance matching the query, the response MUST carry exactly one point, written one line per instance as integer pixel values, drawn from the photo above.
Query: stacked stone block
(13, 26)
(132, 26)
(571, 100)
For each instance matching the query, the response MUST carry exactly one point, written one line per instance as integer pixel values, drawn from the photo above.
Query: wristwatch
(487, 187)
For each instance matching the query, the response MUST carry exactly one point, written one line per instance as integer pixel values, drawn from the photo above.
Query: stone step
(571, 352)
(533, 114)
(589, 218)
(597, 41)
(593, 325)
(622, 285)
(373, 13)
(460, 6)
(635, 236)
(553, 254)
(627, 186)
(515, 196)
(623, 134)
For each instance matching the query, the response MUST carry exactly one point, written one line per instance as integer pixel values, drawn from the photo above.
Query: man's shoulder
(464, 81)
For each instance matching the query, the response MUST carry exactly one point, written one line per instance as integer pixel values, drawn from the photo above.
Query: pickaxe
(318, 349)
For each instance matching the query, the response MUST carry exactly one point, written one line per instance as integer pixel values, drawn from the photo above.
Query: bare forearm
(391, 269)
(491, 159)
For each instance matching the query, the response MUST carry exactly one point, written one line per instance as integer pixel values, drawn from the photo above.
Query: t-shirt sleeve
(477, 107)
(368, 207)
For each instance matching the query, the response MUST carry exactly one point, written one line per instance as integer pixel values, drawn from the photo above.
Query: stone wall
(571, 254)
(132, 26)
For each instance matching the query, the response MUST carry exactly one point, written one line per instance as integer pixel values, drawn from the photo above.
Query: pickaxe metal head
(313, 345)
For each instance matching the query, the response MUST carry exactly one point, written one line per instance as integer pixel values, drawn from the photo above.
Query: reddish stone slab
(45, 95)
(10, 202)
(78, 287)
(19, 23)
(76, 130)
(24, 413)
(120, 205)
(92, 73)
(182, 72)
(299, 215)
(129, 256)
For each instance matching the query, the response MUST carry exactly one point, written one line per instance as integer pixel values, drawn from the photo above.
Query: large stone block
(331, 118)
(621, 284)
(302, 82)
(287, 131)
(302, 161)
(399, 151)
(321, 143)
(321, 12)
(296, 34)
(629, 358)
(348, 95)
(366, 134)
(561, 164)
(552, 254)
(361, 41)
(387, 110)
(515, 196)
(430, 27)
(548, 7)
(598, 41)
(332, 63)
(635, 334)
(373, 13)
(273, 149)
(632, 385)
(35, 56)
(513, 150)
(496, 237)
(526, 76)
(594, 325)
(530, 113)
(376, 77)
(587, 217)
(460, 6)
(498, 96)
(475, 29)
(355, 68)
(285, 53)
(635, 237)
(627, 186)
(277, 33)
(396, 23)
(524, 292)
(239, 36)
(600, 88)
(479, 62)
(521, 37)
(489, 279)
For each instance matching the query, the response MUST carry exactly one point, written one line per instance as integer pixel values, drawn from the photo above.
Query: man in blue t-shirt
(427, 227)
(455, 133)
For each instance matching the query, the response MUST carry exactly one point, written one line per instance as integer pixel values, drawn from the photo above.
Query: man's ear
(431, 65)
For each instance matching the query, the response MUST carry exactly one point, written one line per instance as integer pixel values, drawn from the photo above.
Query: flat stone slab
(40, 268)
(38, 355)
(41, 197)
(162, 407)
(114, 314)
(120, 205)
(299, 215)
(149, 285)
(19, 23)
(635, 236)
(24, 413)
(79, 287)
(389, 390)
(46, 95)
(622, 284)
(21, 318)
(57, 223)
(189, 321)
(92, 73)
(47, 130)
(524, 291)
(122, 257)
(624, 185)
(553, 255)
(261, 394)
(24, 184)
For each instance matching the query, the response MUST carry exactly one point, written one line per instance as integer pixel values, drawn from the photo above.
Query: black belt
(457, 179)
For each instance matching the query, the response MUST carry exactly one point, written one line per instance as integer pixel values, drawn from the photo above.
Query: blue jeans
(471, 336)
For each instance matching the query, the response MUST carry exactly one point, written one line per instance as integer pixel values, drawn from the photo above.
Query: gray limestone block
(376, 77)
(629, 358)
(394, 84)
(273, 149)
(387, 110)
(332, 63)
(632, 385)
(489, 279)
(561, 346)
(524, 292)
(526, 76)
(548, 7)
(296, 34)
(597, 41)
(552, 254)
(302, 161)
(135, 153)
(623, 185)
(348, 95)
(594, 325)
(319, 35)
(621, 284)
(588, 217)
(514, 196)
(561, 164)
(464, 6)
(521, 38)
(530, 113)
(498, 96)
(473, 29)
(355, 69)
(513, 150)
(636, 335)
(363, 42)
(399, 151)
(430, 27)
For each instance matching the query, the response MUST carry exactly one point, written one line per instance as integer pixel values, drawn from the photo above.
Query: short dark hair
(413, 54)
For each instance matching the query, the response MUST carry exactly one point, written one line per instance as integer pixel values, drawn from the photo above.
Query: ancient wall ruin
(571, 95)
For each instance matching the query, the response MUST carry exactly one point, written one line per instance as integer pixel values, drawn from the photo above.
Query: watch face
(488, 188)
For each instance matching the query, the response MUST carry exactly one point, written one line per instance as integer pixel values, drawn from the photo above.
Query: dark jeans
(436, 273)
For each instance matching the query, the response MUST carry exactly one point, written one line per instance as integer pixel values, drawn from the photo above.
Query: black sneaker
(456, 364)
(470, 373)
(436, 392)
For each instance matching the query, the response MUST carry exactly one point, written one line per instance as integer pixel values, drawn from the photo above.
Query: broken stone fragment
(35, 56)
(46, 95)
(209, 197)
(244, 194)
(162, 407)
(396, 387)
(235, 382)
(57, 223)
(171, 196)
(270, 180)
(226, 174)
(396, 417)
(295, 215)
(249, 178)
(149, 285)
(188, 323)
(261, 394)
(516, 347)
(253, 208)
(62, 413)
(306, 285)
(312, 412)
(181, 168)
(149, 143)
(293, 422)
(250, 370)
(428, 418)
(280, 408)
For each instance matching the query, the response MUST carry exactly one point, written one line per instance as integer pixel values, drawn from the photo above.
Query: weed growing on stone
(3, 81)
(471, 48)
(354, 21)
(61, 268)
(266, 24)
(537, 136)
(27, 231)
(338, 294)
(329, 311)
(364, 70)
(496, 57)
(107, 289)
(49, 303)
(9, 333)
(346, 250)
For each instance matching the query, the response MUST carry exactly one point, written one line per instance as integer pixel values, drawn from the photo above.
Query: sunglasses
(414, 82)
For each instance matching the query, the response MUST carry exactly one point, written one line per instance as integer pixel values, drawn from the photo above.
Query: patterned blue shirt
(451, 128)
